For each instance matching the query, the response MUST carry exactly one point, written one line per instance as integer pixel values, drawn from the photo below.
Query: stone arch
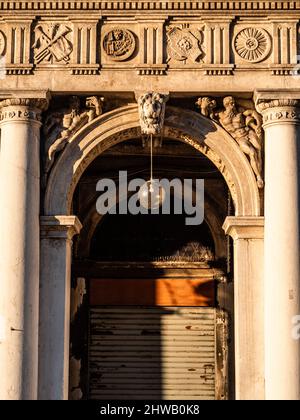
(123, 124)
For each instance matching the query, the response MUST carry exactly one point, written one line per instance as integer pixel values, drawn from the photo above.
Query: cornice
(244, 227)
(144, 5)
(59, 227)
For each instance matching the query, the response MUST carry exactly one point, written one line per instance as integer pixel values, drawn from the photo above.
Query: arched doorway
(90, 142)
(152, 303)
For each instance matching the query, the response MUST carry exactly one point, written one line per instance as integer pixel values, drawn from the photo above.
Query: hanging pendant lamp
(151, 194)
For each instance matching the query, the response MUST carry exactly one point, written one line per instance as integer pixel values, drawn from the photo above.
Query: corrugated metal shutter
(152, 353)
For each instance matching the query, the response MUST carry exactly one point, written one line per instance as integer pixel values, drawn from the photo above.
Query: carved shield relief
(184, 44)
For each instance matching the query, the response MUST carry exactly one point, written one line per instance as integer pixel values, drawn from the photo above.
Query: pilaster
(55, 294)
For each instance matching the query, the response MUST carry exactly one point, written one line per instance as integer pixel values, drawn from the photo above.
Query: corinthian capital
(24, 108)
(285, 108)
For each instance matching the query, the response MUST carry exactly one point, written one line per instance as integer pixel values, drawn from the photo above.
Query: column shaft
(19, 247)
(282, 281)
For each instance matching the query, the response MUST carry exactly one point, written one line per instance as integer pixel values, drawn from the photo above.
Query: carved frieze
(119, 44)
(151, 54)
(252, 44)
(52, 43)
(286, 43)
(150, 45)
(184, 44)
(244, 125)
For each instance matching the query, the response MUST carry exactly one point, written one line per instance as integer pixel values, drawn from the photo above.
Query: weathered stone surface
(244, 55)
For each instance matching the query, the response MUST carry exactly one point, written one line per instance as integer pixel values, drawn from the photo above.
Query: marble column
(55, 289)
(281, 119)
(248, 234)
(20, 121)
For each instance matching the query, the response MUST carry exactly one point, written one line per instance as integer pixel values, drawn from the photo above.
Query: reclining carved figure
(245, 126)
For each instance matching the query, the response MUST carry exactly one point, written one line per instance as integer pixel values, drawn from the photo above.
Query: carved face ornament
(229, 104)
(152, 110)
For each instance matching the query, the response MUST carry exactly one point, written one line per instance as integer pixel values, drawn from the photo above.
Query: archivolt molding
(123, 124)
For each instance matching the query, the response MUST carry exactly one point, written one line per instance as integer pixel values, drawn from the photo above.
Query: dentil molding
(150, 5)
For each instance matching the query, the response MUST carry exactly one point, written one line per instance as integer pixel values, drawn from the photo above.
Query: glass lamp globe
(151, 195)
